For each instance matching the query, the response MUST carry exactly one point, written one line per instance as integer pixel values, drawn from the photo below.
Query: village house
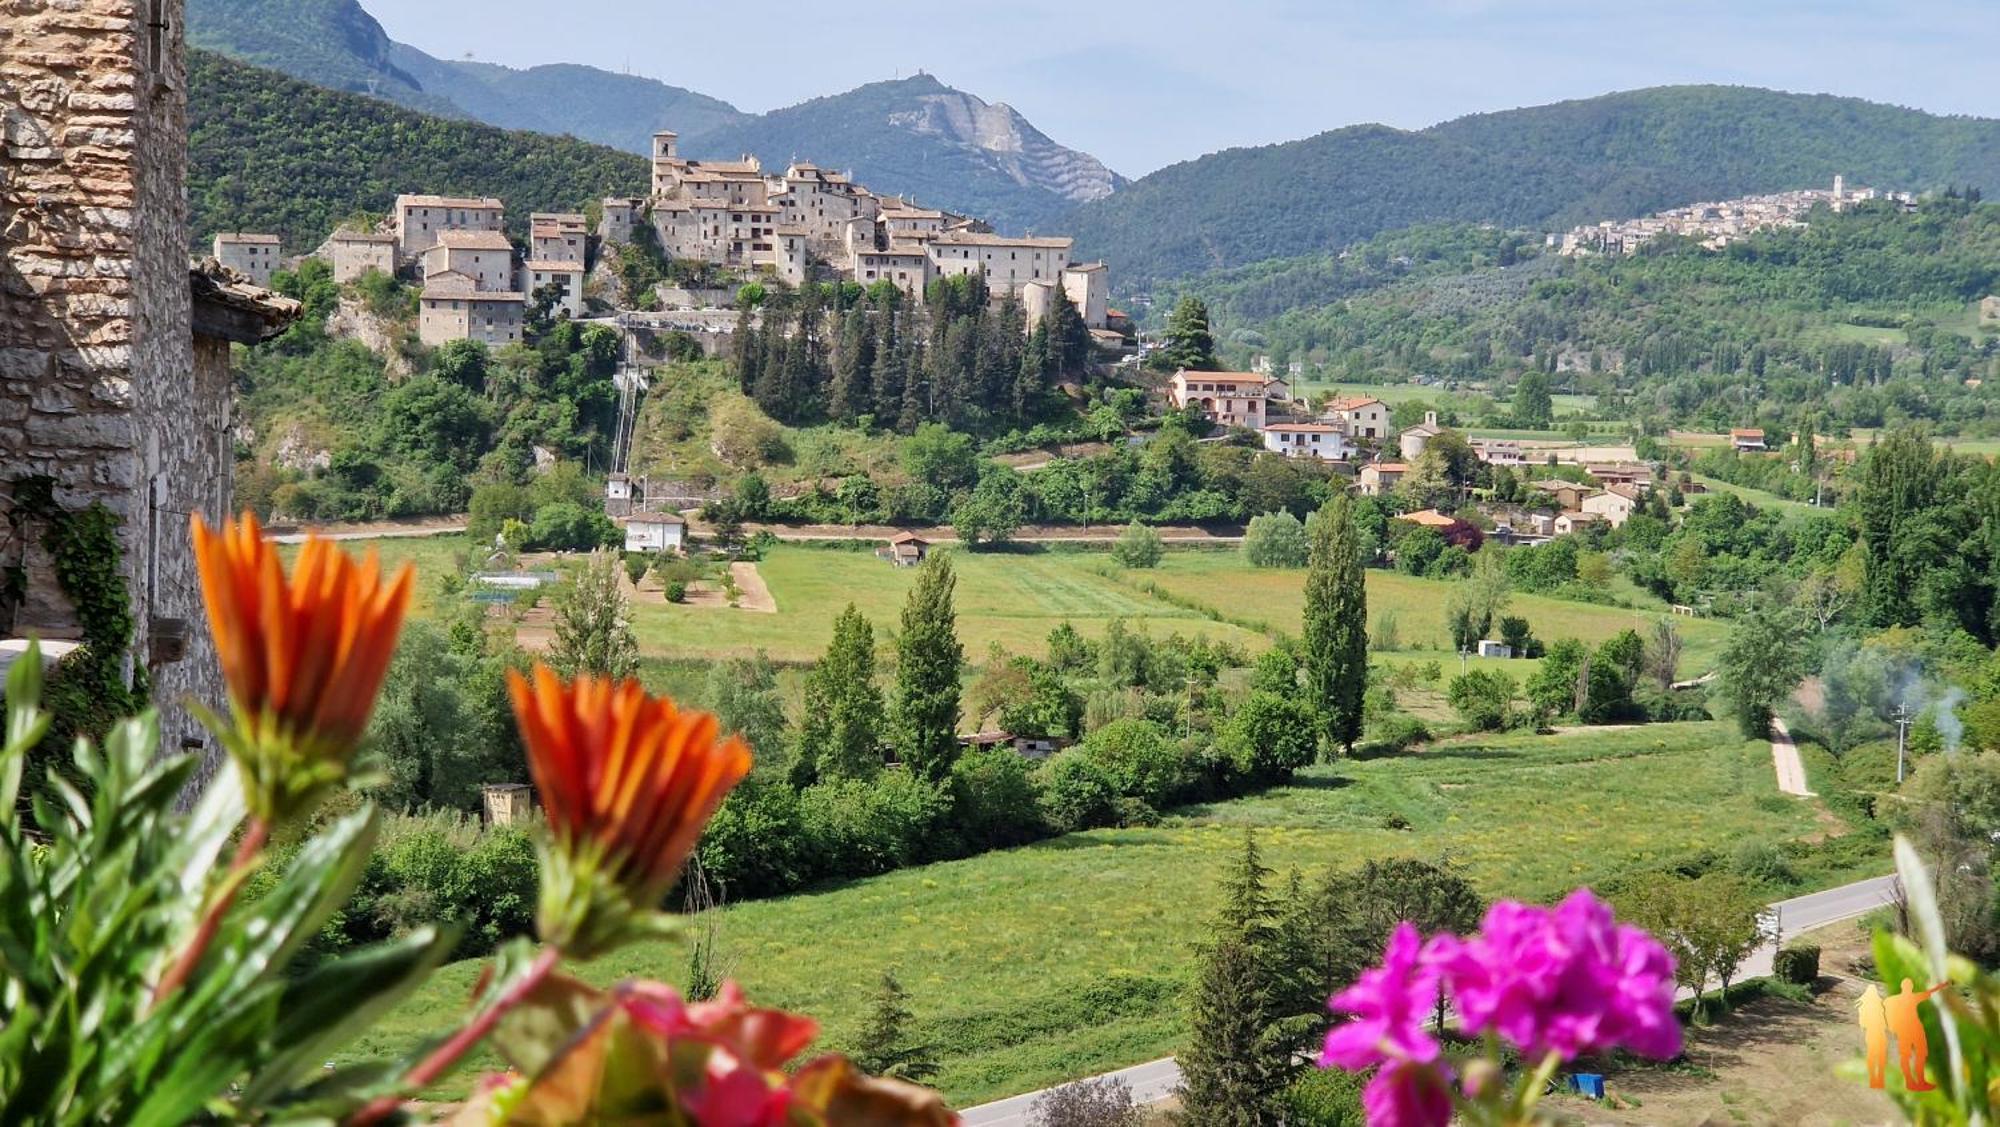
(567, 277)
(1620, 473)
(1745, 440)
(1567, 523)
(1568, 495)
(621, 218)
(557, 237)
(1413, 440)
(1008, 263)
(655, 532)
(253, 256)
(486, 257)
(114, 356)
(909, 268)
(1495, 452)
(354, 253)
(1032, 748)
(1088, 287)
(452, 308)
(1233, 399)
(1324, 441)
(421, 219)
(1616, 504)
(1365, 416)
(1379, 478)
(1429, 518)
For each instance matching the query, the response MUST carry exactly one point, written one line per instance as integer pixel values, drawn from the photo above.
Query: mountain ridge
(1613, 156)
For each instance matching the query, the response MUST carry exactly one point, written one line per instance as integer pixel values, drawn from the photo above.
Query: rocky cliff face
(1016, 146)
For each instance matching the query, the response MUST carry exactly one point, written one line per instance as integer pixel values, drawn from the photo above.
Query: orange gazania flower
(627, 782)
(304, 655)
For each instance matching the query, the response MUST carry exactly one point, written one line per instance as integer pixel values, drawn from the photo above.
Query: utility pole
(1902, 736)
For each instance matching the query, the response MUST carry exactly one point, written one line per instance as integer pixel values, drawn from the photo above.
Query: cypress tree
(929, 661)
(1336, 625)
(840, 736)
(889, 362)
(749, 350)
(1031, 377)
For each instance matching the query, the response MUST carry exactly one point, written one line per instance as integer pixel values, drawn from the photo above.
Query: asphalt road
(1157, 1080)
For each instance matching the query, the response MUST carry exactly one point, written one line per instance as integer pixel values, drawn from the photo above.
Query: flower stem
(255, 833)
(444, 1056)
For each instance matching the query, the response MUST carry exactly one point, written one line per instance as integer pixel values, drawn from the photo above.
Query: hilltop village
(806, 224)
(1716, 225)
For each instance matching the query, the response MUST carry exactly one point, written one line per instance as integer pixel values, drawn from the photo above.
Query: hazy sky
(1147, 84)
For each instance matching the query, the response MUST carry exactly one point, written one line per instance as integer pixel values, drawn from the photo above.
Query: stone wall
(99, 387)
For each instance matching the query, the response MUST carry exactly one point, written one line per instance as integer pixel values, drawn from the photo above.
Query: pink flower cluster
(1565, 980)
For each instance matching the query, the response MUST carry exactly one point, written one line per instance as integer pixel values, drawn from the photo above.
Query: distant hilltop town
(805, 224)
(1716, 225)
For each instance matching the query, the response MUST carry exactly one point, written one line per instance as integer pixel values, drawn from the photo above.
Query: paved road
(1785, 757)
(1156, 1080)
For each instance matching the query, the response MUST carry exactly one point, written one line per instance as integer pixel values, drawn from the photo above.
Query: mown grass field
(1071, 957)
(1276, 600)
(434, 557)
(1758, 497)
(1013, 598)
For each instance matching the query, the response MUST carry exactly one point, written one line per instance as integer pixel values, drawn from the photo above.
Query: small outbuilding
(655, 532)
(906, 549)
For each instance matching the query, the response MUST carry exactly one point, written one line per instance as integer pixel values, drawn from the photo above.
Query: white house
(655, 532)
(1616, 504)
(1414, 440)
(1324, 441)
(1365, 416)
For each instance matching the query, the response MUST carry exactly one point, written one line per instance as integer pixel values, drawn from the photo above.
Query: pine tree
(929, 663)
(1235, 1065)
(1069, 336)
(912, 414)
(1031, 377)
(1190, 343)
(1336, 625)
(890, 370)
(886, 1047)
(847, 393)
(840, 735)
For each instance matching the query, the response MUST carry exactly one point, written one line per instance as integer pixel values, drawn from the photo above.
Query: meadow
(1070, 957)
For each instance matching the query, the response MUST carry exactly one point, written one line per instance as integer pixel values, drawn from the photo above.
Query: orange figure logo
(1896, 1014)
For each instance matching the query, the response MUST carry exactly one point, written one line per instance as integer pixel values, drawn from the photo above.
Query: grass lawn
(433, 556)
(1276, 599)
(1070, 957)
(1014, 599)
(1869, 334)
(1759, 497)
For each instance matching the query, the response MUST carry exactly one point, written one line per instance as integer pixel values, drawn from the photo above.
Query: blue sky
(1148, 84)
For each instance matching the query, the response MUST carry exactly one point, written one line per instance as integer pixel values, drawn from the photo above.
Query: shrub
(677, 592)
(1484, 698)
(1138, 759)
(1797, 963)
(1393, 735)
(443, 867)
(856, 828)
(996, 802)
(565, 526)
(635, 567)
(756, 844)
(1761, 862)
(1324, 1098)
(1276, 540)
(1139, 547)
(1103, 1101)
(1077, 793)
(1269, 736)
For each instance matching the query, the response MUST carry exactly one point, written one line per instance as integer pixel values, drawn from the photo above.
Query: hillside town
(804, 224)
(1716, 225)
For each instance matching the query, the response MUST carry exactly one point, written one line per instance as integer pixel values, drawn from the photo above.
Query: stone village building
(114, 356)
(253, 256)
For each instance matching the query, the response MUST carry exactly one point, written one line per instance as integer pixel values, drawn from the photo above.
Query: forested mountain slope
(1548, 167)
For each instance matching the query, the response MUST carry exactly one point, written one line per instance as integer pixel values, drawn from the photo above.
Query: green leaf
(326, 1007)
(257, 943)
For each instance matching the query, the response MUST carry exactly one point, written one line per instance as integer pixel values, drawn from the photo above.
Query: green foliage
(1234, 1066)
(886, 1046)
(565, 526)
(593, 625)
(840, 730)
(929, 661)
(1763, 662)
(99, 907)
(1269, 736)
(1077, 793)
(1189, 343)
(442, 724)
(1797, 963)
(1335, 648)
(1544, 167)
(1138, 547)
(256, 141)
(1276, 540)
(1483, 698)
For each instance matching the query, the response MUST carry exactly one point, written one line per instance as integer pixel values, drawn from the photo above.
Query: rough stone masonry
(99, 384)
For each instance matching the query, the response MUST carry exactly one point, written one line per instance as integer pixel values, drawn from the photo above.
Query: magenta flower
(1389, 1004)
(1567, 980)
(1408, 1095)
